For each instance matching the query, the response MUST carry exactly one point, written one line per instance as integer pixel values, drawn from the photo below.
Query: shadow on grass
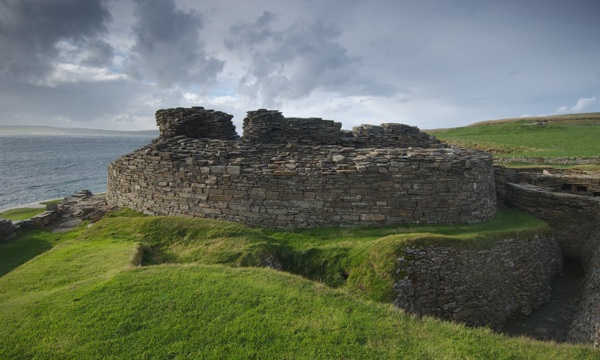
(26, 246)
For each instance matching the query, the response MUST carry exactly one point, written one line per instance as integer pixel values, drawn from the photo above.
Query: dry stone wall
(574, 217)
(195, 122)
(583, 160)
(479, 288)
(291, 173)
(585, 327)
(7, 230)
(270, 127)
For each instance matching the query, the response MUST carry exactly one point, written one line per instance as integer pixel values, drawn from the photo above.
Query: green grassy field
(21, 214)
(198, 293)
(26, 213)
(555, 136)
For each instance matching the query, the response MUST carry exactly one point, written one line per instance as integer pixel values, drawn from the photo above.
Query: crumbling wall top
(195, 122)
(271, 127)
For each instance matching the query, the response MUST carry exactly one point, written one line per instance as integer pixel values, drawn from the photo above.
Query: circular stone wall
(278, 186)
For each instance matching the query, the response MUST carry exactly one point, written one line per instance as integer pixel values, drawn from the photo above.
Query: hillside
(572, 135)
(584, 119)
(135, 287)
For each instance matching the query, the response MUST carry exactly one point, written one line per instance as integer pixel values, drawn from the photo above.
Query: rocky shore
(67, 214)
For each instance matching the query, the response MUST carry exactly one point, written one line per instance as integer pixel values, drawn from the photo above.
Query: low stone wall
(579, 182)
(592, 160)
(7, 230)
(284, 186)
(585, 327)
(572, 217)
(479, 287)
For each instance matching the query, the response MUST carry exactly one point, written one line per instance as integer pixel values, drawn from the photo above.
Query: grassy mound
(363, 260)
(81, 294)
(187, 240)
(554, 136)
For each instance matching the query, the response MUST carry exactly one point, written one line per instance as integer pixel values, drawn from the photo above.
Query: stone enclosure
(301, 173)
(570, 204)
(308, 172)
(480, 288)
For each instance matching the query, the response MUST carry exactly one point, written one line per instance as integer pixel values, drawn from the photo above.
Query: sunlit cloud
(581, 105)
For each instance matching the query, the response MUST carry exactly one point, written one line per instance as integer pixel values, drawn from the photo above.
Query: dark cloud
(431, 61)
(289, 64)
(168, 48)
(93, 104)
(32, 30)
(98, 54)
(250, 34)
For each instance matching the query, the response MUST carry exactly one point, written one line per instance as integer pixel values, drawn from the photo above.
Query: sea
(40, 167)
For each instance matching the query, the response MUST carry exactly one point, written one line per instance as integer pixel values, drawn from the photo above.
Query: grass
(29, 245)
(567, 136)
(27, 213)
(80, 294)
(363, 259)
(52, 202)
(21, 213)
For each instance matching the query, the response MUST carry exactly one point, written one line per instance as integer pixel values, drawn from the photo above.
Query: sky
(111, 64)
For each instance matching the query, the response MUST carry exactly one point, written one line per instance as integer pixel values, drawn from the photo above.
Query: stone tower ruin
(301, 173)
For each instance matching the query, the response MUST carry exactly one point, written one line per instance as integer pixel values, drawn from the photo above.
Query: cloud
(289, 64)
(31, 32)
(580, 106)
(246, 34)
(86, 102)
(168, 49)
(98, 54)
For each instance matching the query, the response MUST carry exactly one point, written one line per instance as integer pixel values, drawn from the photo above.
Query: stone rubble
(69, 213)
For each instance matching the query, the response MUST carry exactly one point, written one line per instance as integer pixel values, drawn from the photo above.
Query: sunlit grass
(21, 213)
(566, 138)
(81, 295)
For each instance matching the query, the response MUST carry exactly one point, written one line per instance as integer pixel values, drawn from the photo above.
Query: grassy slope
(22, 213)
(85, 299)
(561, 136)
(26, 213)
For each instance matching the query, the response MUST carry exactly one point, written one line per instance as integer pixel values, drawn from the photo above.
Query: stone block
(212, 197)
(233, 170)
(372, 217)
(284, 173)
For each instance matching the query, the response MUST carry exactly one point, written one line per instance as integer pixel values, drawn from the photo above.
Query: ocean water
(39, 167)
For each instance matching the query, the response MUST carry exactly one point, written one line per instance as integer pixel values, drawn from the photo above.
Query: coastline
(32, 205)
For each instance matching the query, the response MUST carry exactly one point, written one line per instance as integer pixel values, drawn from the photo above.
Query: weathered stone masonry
(301, 173)
(479, 287)
(570, 204)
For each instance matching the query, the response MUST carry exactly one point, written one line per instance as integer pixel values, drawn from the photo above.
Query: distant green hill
(574, 135)
(49, 130)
